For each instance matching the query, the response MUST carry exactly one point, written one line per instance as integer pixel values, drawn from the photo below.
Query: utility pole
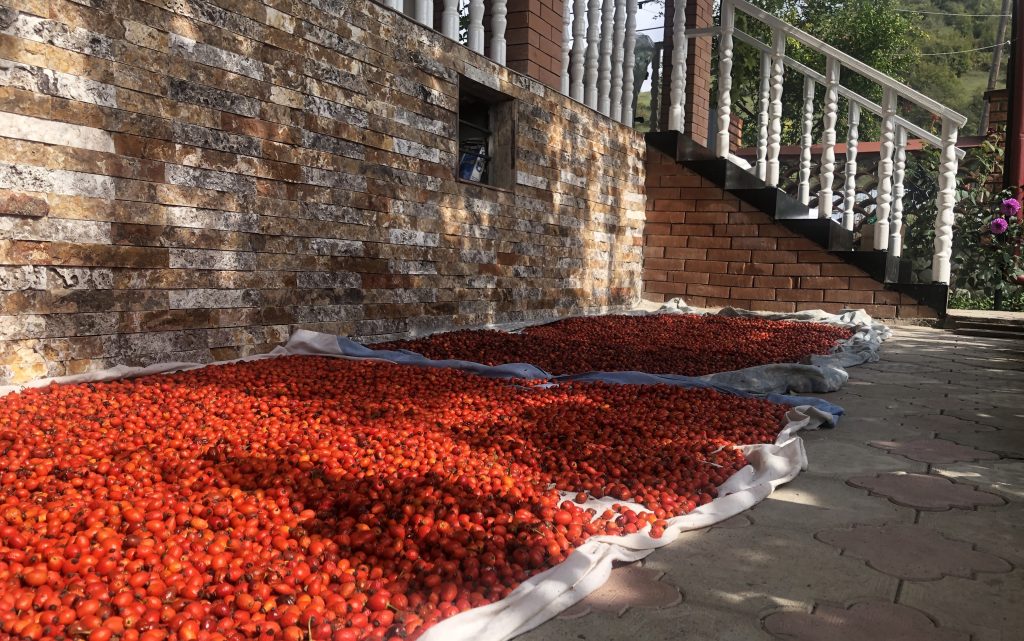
(997, 63)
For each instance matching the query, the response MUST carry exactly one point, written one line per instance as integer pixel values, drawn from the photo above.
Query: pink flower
(1010, 207)
(999, 225)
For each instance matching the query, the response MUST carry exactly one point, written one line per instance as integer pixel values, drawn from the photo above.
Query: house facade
(193, 181)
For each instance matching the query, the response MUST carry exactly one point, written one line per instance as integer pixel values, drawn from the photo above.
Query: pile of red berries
(315, 498)
(663, 344)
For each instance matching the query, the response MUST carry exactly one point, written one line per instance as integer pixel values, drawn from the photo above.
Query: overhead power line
(950, 53)
(963, 15)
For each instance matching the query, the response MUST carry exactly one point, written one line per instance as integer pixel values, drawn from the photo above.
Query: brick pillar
(998, 109)
(534, 37)
(998, 118)
(698, 69)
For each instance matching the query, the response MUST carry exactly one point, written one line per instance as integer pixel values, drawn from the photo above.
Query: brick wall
(999, 107)
(998, 121)
(707, 247)
(194, 181)
(534, 36)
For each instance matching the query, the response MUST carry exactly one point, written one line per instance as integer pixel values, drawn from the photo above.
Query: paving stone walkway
(907, 526)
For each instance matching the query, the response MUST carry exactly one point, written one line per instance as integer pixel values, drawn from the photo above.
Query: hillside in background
(956, 79)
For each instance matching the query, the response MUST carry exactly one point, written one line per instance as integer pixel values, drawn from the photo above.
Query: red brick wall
(707, 247)
(999, 104)
(534, 39)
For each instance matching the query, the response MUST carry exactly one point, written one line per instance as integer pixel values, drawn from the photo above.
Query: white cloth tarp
(588, 567)
(546, 594)
(822, 373)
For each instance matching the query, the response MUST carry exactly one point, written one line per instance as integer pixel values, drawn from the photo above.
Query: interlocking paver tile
(934, 450)
(925, 491)
(629, 586)
(738, 521)
(990, 528)
(996, 417)
(1005, 478)
(990, 609)
(912, 552)
(945, 424)
(860, 622)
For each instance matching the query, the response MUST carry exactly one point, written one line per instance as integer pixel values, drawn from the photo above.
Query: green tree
(956, 52)
(873, 31)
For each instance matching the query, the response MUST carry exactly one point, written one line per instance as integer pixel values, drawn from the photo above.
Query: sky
(648, 16)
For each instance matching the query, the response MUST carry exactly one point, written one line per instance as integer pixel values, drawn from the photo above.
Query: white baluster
(725, 54)
(450, 19)
(677, 81)
(590, 64)
(579, 47)
(425, 12)
(566, 44)
(851, 167)
(628, 61)
(475, 33)
(395, 4)
(945, 201)
(762, 117)
(498, 24)
(778, 71)
(887, 140)
(806, 140)
(604, 68)
(828, 152)
(899, 172)
(618, 41)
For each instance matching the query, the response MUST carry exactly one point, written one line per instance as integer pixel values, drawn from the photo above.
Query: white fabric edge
(544, 595)
(823, 373)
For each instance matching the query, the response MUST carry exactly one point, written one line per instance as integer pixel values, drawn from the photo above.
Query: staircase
(901, 113)
(986, 324)
(892, 271)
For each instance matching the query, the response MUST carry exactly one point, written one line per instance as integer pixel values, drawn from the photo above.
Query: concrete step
(994, 325)
(988, 333)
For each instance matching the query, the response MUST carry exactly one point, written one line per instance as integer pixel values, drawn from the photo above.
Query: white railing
(894, 129)
(824, 115)
(598, 58)
(597, 45)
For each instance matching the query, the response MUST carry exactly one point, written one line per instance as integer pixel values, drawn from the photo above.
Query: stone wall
(707, 247)
(192, 180)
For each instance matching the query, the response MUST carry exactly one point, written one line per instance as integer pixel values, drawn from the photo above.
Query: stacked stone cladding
(196, 180)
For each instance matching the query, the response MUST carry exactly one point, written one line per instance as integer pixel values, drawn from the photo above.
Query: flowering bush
(989, 257)
(987, 226)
